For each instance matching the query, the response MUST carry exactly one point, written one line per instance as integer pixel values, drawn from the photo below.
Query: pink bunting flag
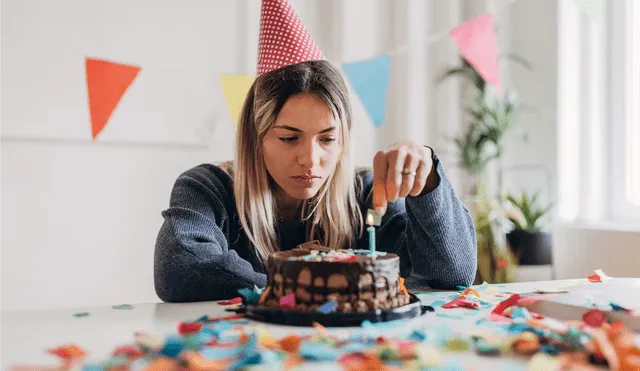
(476, 40)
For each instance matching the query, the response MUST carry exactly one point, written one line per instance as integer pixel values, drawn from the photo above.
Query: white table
(26, 334)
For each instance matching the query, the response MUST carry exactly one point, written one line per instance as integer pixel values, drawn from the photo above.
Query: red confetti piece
(186, 328)
(461, 302)
(594, 318)
(68, 351)
(533, 299)
(233, 301)
(595, 278)
(288, 301)
(127, 350)
(510, 301)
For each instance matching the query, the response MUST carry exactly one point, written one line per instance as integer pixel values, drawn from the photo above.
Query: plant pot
(530, 248)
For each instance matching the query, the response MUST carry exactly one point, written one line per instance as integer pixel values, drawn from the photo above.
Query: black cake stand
(335, 319)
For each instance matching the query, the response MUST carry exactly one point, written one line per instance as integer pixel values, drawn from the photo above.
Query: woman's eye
(288, 139)
(329, 140)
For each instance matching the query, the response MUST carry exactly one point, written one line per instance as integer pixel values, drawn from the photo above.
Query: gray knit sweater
(202, 252)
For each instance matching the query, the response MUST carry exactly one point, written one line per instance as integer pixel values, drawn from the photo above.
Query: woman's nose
(309, 154)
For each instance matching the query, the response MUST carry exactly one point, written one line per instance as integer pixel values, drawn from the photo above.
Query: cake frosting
(354, 280)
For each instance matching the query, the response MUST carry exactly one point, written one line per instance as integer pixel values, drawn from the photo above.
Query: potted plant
(530, 245)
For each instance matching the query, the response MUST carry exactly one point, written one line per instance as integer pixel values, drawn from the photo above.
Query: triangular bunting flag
(106, 84)
(235, 89)
(476, 40)
(593, 8)
(370, 80)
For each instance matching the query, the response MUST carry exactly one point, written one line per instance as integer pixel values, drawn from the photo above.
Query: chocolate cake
(310, 276)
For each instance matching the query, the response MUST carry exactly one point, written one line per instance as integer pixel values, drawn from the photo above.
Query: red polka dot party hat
(283, 38)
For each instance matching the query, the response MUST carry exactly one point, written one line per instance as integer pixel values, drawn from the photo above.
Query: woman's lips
(305, 180)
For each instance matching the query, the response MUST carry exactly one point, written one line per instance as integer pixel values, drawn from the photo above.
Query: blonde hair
(333, 214)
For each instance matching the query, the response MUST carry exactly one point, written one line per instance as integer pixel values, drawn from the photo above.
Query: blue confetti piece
(204, 318)
(317, 352)
(438, 303)
(92, 367)
(418, 335)
(549, 350)
(214, 353)
(122, 306)
(251, 345)
(249, 295)
(252, 359)
(617, 307)
(355, 348)
(173, 346)
(81, 315)
(461, 288)
(328, 307)
(520, 312)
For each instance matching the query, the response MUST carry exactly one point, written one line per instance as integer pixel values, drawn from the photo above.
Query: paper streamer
(235, 89)
(476, 40)
(370, 80)
(106, 84)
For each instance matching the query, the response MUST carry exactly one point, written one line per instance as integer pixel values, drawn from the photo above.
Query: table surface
(27, 334)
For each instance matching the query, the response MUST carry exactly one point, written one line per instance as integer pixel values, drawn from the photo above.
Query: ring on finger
(408, 172)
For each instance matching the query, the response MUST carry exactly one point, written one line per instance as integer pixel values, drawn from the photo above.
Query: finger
(421, 178)
(394, 173)
(379, 177)
(411, 163)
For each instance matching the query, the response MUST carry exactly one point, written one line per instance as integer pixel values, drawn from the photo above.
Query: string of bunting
(108, 81)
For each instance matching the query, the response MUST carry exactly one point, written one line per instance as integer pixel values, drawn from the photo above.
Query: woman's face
(302, 147)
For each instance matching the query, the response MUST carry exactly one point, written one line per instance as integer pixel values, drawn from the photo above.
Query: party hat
(283, 38)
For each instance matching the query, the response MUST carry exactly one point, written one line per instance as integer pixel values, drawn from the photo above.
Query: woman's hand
(405, 168)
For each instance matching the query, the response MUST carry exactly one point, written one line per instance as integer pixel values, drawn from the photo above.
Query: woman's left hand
(405, 168)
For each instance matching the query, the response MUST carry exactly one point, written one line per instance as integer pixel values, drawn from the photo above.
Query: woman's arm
(193, 261)
(433, 233)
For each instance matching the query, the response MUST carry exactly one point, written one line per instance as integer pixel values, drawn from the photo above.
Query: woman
(293, 182)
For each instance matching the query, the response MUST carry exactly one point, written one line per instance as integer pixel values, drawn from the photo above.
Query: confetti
(123, 306)
(461, 302)
(81, 315)
(233, 301)
(327, 307)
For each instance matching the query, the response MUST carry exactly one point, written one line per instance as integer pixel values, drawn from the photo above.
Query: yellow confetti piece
(542, 362)
(428, 355)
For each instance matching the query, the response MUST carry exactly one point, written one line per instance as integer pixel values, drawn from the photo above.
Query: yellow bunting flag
(235, 88)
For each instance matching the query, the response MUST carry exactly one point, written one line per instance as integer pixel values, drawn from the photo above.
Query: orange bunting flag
(476, 40)
(106, 84)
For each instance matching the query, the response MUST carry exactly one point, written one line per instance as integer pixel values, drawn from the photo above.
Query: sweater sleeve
(433, 234)
(193, 261)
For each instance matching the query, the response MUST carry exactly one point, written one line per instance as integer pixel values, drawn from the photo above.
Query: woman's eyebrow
(291, 128)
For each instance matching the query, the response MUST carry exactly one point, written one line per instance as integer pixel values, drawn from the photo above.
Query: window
(599, 114)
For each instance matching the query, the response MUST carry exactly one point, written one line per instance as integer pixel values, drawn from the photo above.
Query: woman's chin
(302, 193)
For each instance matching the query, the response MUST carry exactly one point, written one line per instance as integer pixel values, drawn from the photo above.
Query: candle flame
(370, 219)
